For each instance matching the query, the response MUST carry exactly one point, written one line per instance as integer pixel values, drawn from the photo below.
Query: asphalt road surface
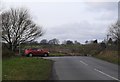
(83, 68)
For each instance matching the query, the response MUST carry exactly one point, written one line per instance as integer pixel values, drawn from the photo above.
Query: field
(108, 53)
(24, 68)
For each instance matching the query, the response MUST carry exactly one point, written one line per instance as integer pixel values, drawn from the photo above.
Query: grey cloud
(102, 6)
(75, 21)
(77, 31)
(104, 11)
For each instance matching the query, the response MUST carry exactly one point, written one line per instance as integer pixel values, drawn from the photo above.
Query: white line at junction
(84, 63)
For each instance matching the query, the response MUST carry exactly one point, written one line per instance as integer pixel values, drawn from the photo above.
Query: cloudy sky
(70, 20)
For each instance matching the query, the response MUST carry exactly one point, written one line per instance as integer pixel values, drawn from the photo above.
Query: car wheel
(45, 55)
(30, 55)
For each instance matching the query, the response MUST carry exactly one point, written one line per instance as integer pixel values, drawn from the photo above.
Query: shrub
(7, 53)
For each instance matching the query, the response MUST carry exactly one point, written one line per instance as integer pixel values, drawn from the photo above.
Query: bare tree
(18, 27)
(69, 42)
(44, 41)
(114, 31)
(54, 41)
(76, 42)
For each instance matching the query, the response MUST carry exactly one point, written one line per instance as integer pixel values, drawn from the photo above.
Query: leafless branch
(18, 27)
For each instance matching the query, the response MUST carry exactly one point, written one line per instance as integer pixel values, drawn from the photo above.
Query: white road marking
(83, 63)
(106, 74)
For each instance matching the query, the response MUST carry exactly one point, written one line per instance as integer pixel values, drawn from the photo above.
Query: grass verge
(26, 69)
(110, 56)
(56, 54)
(1, 70)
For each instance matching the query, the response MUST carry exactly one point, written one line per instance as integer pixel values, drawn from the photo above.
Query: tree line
(56, 42)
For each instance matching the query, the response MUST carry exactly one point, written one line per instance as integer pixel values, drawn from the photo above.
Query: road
(83, 68)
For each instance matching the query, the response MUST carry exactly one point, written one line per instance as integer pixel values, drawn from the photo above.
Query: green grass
(0, 69)
(109, 59)
(56, 54)
(110, 56)
(26, 69)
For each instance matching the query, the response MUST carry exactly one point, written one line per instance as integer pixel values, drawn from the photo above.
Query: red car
(36, 52)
